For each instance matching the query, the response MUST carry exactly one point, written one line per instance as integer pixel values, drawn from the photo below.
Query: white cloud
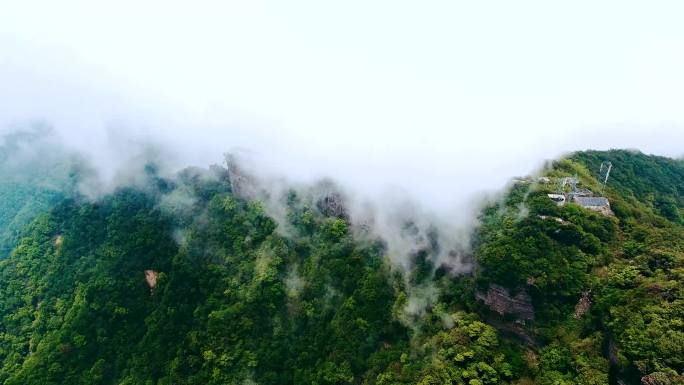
(442, 99)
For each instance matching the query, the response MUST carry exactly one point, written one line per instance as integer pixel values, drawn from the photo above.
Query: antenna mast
(605, 166)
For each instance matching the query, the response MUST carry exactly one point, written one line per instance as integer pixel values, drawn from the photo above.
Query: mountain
(186, 279)
(36, 172)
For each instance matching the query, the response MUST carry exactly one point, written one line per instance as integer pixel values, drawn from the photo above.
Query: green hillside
(628, 266)
(35, 174)
(182, 281)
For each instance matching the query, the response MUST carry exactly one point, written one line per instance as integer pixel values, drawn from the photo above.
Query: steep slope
(599, 284)
(651, 181)
(232, 299)
(35, 174)
(184, 281)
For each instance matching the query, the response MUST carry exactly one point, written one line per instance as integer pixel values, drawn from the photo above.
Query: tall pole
(607, 166)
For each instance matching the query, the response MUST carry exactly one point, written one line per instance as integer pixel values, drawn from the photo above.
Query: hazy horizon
(442, 101)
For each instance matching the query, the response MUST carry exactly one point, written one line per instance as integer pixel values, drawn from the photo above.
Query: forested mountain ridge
(35, 174)
(622, 272)
(181, 280)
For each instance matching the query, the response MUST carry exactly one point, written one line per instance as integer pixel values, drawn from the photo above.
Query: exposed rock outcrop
(332, 205)
(151, 277)
(661, 378)
(242, 183)
(583, 305)
(499, 300)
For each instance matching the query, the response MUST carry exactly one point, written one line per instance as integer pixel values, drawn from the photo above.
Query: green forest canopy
(236, 301)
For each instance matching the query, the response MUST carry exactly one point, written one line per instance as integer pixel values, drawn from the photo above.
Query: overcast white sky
(441, 98)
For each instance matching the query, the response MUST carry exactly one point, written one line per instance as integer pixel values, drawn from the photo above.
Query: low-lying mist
(409, 230)
(411, 208)
(399, 219)
(412, 227)
(404, 119)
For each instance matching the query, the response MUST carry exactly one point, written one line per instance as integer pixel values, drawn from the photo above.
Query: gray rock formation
(332, 205)
(499, 300)
(661, 378)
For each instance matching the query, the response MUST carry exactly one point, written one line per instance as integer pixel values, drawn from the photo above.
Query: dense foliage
(629, 267)
(35, 174)
(651, 181)
(238, 297)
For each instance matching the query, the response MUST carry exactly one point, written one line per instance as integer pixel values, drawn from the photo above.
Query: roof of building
(592, 201)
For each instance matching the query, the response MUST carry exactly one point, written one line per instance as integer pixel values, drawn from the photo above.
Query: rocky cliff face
(241, 183)
(332, 205)
(499, 300)
(583, 305)
(661, 378)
